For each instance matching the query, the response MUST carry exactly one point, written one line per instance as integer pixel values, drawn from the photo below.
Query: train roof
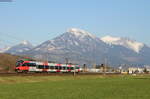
(49, 62)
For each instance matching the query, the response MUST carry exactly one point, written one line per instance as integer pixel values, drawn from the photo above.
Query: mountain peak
(20, 48)
(25, 42)
(79, 32)
(126, 42)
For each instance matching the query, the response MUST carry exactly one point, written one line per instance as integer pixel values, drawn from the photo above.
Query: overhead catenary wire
(5, 43)
(12, 37)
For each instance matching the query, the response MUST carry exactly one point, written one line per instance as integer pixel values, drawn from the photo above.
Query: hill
(7, 62)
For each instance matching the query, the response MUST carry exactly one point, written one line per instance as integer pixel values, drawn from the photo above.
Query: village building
(135, 70)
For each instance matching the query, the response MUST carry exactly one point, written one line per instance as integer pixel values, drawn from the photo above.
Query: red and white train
(35, 66)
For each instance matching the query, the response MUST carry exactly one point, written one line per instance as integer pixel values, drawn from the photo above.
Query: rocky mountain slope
(19, 48)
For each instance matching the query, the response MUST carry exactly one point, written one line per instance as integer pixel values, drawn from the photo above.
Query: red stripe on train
(58, 64)
(57, 70)
(23, 68)
(69, 65)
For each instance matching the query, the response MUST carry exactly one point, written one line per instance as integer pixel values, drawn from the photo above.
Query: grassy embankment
(7, 62)
(80, 87)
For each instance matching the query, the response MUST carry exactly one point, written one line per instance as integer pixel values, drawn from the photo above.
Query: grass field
(80, 87)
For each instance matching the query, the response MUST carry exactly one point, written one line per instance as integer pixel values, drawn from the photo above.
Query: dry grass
(7, 62)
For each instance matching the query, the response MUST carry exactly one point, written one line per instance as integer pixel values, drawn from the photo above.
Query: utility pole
(105, 66)
(66, 59)
(47, 57)
(94, 67)
(74, 71)
(84, 68)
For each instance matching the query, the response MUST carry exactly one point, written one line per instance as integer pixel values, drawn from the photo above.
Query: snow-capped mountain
(80, 33)
(125, 42)
(2, 50)
(78, 45)
(70, 39)
(20, 48)
(81, 47)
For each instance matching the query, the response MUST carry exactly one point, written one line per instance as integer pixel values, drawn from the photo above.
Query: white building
(133, 70)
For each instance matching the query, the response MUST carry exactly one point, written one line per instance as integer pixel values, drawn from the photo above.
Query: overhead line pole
(74, 70)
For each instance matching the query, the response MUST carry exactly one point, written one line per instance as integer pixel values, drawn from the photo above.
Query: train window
(51, 67)
(60, 67)
(77, 67)
(56, 67)
(68, 67)
(25, 64)
(46, 67)
(41, 66)
(29, 64)
(63, 68)
(32, 64)
(17, 64)
(72, 68)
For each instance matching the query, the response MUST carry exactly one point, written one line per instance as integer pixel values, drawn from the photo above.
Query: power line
(14, 37)
(10, 36)
(8, 42)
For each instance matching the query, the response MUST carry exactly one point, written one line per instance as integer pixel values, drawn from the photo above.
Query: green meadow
(79, 87)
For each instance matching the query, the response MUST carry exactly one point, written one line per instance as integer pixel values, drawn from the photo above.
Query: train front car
(21, 67)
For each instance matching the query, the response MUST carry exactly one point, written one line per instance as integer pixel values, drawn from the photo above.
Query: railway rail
(53, 74)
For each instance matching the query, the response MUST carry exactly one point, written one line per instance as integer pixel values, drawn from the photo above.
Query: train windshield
(18, 63)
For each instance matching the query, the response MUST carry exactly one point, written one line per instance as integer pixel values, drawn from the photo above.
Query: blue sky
(41, 20)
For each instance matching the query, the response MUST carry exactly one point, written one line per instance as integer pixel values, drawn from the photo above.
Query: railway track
(53, 74)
